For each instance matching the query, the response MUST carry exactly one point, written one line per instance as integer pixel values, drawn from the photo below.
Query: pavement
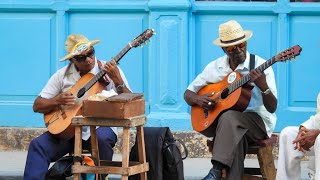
(13, 162)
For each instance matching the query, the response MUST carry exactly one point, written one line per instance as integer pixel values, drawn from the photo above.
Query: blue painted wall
(32, 35)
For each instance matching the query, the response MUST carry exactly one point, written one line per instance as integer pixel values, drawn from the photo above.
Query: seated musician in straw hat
(48, 148)
(234, 130)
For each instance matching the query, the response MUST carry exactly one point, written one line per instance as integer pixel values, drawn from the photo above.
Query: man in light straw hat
(47, 148)
(234, 130)
(294, 143)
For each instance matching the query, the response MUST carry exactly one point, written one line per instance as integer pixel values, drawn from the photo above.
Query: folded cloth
(103, 95)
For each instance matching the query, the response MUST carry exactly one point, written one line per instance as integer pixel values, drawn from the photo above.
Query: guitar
(58, 120)
(231, 93)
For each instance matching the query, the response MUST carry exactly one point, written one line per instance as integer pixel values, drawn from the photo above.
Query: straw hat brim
(71, 55)
(247, 33)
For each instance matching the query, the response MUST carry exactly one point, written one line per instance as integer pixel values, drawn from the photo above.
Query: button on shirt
(68, 76)
(215, 72)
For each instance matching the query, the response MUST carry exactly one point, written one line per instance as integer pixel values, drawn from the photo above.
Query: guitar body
(202, 120)
(58, 121)
(238, 98)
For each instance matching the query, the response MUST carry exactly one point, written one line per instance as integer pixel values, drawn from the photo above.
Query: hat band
(233, 40)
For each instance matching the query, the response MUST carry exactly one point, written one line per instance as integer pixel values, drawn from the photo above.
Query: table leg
(125, 149)
(77, 149)
(141, 150)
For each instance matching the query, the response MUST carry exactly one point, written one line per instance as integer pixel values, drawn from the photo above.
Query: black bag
(62, 167)
(172, 159)
(162, 153)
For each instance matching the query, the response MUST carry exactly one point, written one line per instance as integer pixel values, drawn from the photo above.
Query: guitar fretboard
(244, 79)
(101, 73)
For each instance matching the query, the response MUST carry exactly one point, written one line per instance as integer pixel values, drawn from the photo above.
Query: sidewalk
(13, 162)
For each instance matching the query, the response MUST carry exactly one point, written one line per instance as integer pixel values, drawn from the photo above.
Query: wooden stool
(124, 167)
(263, 150)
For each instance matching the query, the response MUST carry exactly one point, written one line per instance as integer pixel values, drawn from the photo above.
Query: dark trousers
(235, 130)
(46, 149)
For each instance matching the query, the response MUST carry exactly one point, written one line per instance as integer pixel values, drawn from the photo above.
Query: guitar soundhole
(225, 93)
(81, 92)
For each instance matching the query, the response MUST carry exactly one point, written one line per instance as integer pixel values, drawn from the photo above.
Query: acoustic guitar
(231, 93)
(58, 121)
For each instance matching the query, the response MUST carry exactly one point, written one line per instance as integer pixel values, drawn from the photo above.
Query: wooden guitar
(231, 93)
(58, 121)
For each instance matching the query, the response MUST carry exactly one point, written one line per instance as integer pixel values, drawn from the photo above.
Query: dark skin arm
(269, 100)
(113, 72)
(193, 98)
(42, 105)
(306, 139)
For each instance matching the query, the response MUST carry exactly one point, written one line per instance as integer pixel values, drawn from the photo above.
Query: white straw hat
(231, 33)
(76, 44)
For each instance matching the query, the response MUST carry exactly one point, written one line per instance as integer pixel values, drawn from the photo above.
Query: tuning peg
(145, 43)
(295, 57)
(149, 40)
(141, 46)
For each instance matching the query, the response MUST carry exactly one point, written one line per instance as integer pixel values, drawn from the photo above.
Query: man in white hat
(294, 143)
(234, 130)
(48, 148)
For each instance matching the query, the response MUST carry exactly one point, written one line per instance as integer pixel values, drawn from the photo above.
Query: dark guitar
(232, 95)
(58, 121)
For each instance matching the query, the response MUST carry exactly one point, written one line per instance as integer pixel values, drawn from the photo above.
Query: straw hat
(231, 33)
(76, 44)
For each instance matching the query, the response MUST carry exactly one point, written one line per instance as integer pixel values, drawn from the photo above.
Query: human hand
(113, 72)
(259, 78)
(65, 98)
(205, 101)
(306, 139)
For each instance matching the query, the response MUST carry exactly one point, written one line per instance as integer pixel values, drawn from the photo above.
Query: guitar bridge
(63, 113)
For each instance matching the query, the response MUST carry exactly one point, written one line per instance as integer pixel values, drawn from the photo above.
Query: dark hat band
(233, 40)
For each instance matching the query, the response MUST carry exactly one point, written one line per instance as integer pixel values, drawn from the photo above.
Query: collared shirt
(68, 76)
(218, 69)
(314, 121)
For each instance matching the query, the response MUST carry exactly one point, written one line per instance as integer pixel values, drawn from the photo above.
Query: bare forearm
(190, 97)
(42, 105)
(270, 102)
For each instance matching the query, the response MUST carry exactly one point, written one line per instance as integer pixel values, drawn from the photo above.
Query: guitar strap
(252, 62)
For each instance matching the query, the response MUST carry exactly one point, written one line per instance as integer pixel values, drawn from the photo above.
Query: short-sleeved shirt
(218, 69)
(68, 76)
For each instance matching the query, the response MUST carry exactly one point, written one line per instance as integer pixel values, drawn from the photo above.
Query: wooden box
(121, 106)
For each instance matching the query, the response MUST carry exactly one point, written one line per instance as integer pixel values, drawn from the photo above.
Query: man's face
(85, 61)
(236, 53)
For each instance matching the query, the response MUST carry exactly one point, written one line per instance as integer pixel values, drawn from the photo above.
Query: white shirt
(66, 77)
(314, 121)
(215, 72)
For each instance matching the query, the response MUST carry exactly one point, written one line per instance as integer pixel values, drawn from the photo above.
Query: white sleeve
(53, 86)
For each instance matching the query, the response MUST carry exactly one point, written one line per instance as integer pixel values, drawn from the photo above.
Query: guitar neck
(101, 73)
(244, 79)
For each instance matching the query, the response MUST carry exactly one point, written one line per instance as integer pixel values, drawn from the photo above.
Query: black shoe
(213, 175)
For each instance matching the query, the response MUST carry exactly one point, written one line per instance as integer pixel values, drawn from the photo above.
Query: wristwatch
(266, 92)
(120, 87)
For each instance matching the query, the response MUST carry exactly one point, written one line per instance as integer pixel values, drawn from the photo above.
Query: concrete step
(194, 168)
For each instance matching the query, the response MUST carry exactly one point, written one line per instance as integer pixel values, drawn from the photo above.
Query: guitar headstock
(142, 38)
(289, 53)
